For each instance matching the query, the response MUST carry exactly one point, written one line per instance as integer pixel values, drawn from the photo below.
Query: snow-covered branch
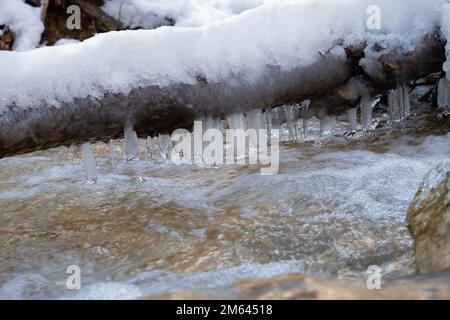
(158, 80)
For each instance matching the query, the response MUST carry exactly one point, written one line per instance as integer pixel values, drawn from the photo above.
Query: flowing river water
(336, 207)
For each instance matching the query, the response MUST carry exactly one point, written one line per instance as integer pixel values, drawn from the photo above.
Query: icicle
(268, 121)
(443, 93)
(401, 101)
(303, 110)
(131, 144)
(390, 106)
(305, 127)
(351, 113)
(399, 106)
(89, 162)
(112, 153)
(448, 96)
(295, 112)
(407, 102)
(180, 151)
(366, 112)
(305, 106)
(276, 118)
(255, 120)
(217, 124)
(327, 125)
(394, 112)
(237, 121)
(208, 123)
(165, 145)
(153, 150)
(292, 127)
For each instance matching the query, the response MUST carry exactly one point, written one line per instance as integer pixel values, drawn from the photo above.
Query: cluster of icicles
(295, 117)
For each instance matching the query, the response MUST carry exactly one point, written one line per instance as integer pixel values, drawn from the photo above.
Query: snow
(284, 34)
(64, 41)
(150, 14)
(24, 21)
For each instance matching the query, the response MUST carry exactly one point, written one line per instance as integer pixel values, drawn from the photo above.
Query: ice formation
(165, 145)
(366, 112)
(352, 118)
(237, 121)
(327, 125)
(399, 105)
(89, 162)
(277, 117)
(131, 144)
(443, 93)
(291, 114)
(268, 122)
(406, 100)
(112, 153)
(303, 113)
(255, 120)
(305, 127)
(218, 124)
(153, 150)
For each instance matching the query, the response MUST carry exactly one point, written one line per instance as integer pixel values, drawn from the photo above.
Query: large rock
(429, 220)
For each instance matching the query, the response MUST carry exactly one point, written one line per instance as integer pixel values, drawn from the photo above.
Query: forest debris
(44, 8)
(6, 38)
(93, 21)
(34, 3)
(106, 23)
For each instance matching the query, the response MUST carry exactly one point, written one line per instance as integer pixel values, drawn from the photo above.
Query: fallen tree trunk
(153, 109)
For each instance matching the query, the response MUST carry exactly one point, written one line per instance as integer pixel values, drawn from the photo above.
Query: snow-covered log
(163, 79)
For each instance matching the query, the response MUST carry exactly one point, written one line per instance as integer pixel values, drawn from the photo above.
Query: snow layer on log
(149, 14)
(235, 52)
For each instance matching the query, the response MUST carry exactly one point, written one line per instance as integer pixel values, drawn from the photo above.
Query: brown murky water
(336, 207)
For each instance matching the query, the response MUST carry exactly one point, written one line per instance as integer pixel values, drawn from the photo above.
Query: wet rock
(429, 220)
